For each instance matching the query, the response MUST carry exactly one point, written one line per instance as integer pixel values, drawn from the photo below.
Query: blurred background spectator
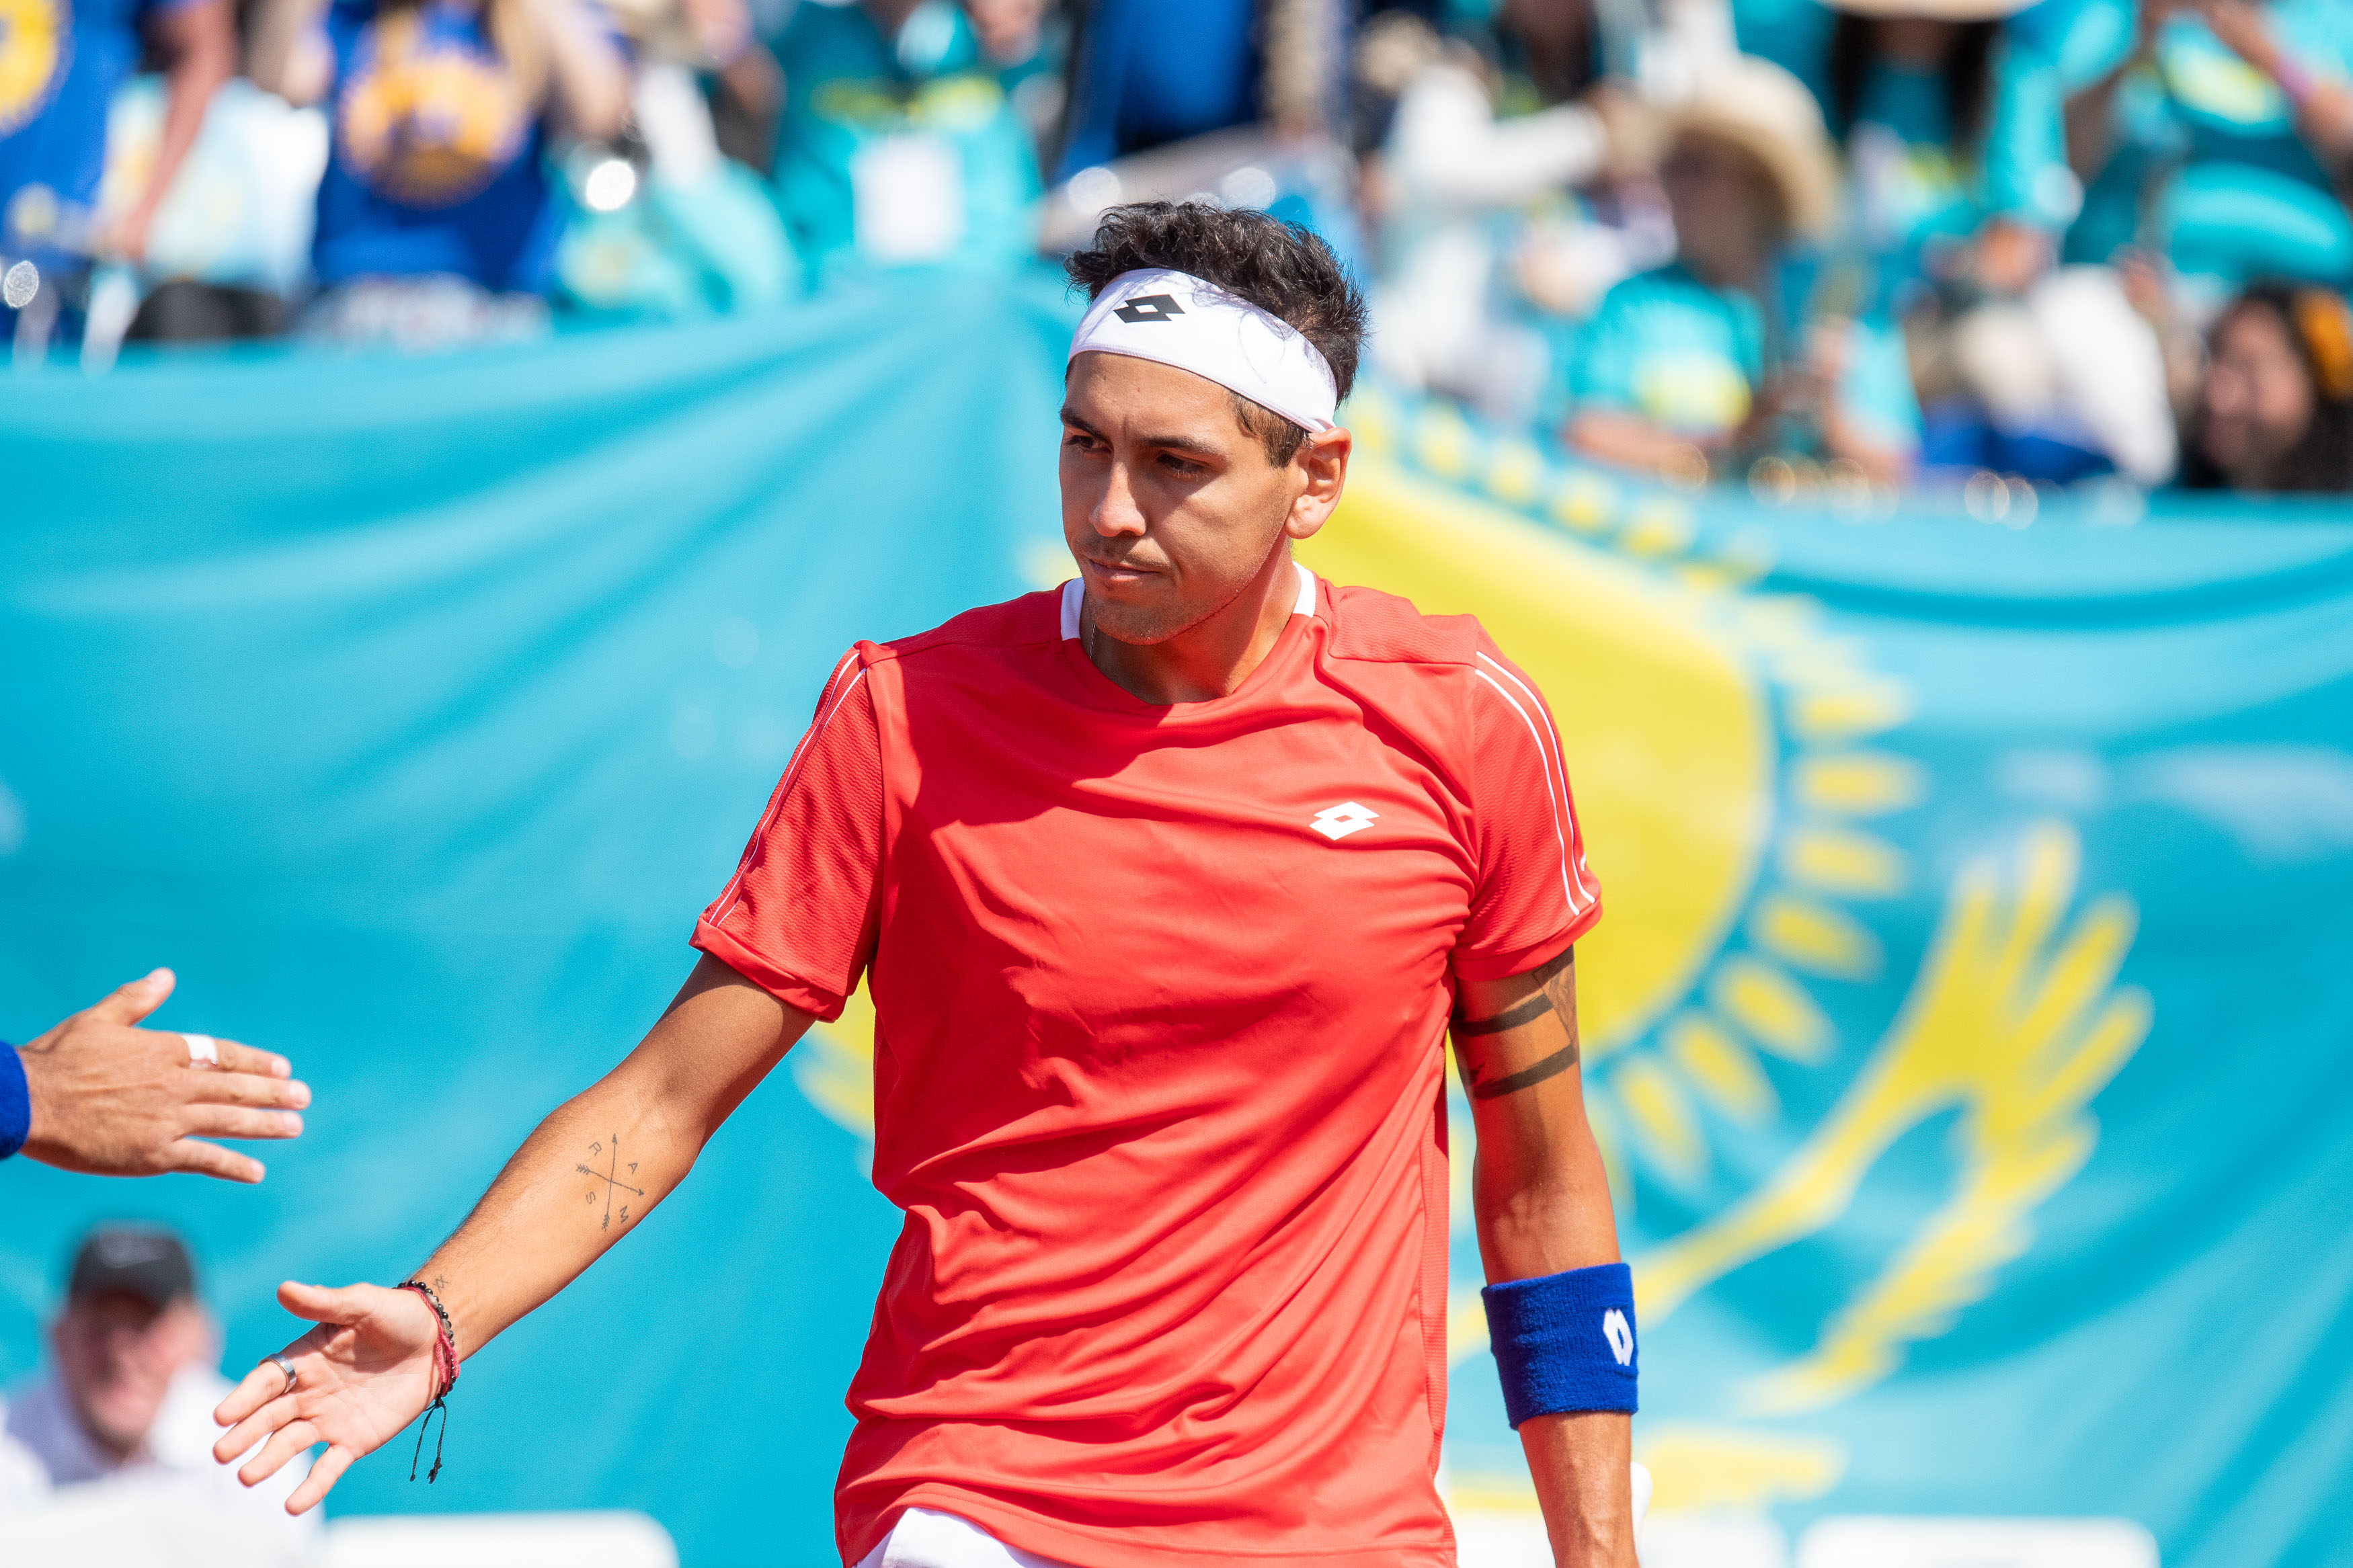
(2275, 410)
(2034, 212)
(898, 144)
(437, 219)
(60, 67)
(112, 1445)
(1721, 357)
(662, 222)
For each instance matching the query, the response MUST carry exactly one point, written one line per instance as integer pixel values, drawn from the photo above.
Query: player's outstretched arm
(585, 1176)
(1542, 1206)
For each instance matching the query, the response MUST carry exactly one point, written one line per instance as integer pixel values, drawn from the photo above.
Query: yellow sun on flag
(35, 38)
(1662, 668)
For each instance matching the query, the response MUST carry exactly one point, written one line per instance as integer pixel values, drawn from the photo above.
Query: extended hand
(364, 1374)
(111, 1099)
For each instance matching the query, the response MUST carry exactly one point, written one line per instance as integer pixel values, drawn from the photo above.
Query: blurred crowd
(1835, 248)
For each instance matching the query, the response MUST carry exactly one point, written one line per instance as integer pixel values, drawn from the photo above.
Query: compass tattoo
(611, 1176)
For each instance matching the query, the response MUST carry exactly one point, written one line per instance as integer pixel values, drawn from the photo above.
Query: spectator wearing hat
(126, 1405)
(437, 218)
(2238, 120)
(1718, 357)
(2273, 411)
(60, 68)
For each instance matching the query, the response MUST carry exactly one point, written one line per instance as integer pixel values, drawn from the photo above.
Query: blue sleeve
(2026, 173)
(2094, 41)
(15, 1102)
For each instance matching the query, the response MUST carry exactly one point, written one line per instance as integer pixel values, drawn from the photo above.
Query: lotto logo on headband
(1201, 328)
(1149, 307)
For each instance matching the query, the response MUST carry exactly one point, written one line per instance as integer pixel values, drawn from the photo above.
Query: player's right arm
(585, 1176)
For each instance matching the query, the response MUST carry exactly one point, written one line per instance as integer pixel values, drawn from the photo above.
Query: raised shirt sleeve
(1534, 894)
(799, 917)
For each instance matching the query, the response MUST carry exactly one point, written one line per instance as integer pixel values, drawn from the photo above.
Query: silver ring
(278, 1358)
(202, 1051)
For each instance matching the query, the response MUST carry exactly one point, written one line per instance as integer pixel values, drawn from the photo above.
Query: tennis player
(1167, 888)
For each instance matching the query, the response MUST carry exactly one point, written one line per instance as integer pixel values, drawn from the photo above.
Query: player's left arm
(1542, 1206)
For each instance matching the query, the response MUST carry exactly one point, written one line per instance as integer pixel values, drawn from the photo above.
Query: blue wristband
(15, 1102)
(1565, 1342)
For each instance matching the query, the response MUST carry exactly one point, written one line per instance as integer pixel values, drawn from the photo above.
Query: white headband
(1178, 318)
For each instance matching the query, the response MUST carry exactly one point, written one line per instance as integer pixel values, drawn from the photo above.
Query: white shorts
(925, 1538)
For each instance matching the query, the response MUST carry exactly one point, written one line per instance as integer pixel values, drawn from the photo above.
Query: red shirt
(1160, 997)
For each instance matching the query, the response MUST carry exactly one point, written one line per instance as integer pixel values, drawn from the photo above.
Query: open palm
(364, 1374)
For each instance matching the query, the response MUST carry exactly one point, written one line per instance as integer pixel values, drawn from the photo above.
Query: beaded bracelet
(444, 1377)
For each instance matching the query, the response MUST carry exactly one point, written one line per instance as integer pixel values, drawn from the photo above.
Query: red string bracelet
(445, 1377)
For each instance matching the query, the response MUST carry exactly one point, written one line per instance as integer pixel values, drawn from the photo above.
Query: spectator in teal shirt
(1714, 356)
(1955, 142)
(898, 146)
(2255, 98)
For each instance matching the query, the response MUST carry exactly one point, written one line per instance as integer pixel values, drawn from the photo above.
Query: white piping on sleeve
(1567, 891)
(1549, 743)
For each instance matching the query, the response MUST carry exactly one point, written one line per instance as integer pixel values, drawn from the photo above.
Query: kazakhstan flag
(1970, 1035)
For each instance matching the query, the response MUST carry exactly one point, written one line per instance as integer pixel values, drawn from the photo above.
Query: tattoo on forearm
(1560, 1061)
(611, 1177)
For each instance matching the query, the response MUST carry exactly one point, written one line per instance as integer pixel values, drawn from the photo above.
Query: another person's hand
(112, 1099)
(129, 238)
(364, 1374)
(2009, 256)
(1632, 129)
(722, 29)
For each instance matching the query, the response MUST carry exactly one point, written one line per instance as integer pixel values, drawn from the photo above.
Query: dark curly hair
(1284, 269)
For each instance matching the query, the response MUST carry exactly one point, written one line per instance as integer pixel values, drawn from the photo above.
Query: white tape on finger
(202, 1051)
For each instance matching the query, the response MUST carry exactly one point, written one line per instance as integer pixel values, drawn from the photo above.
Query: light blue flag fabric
(1969, 1033)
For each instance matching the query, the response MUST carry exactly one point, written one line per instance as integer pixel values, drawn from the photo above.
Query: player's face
(1169, 505)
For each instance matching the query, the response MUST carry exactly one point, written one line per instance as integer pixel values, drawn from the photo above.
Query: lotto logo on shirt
(35, 37)
(427, 122)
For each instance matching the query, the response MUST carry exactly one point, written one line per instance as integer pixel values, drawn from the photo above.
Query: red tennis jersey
(1160, 998)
